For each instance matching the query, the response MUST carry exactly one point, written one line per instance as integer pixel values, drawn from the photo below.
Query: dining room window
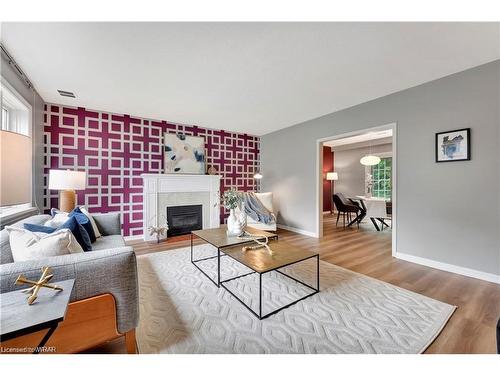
(382, 178)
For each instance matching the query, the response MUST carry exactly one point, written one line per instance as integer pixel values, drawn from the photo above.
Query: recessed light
(66, 93)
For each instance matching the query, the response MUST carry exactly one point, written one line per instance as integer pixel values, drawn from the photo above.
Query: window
(16, 113)
(5, 118)
(382, 178)
(16, 161)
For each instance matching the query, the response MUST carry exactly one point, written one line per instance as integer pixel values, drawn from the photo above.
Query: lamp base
(67, 200)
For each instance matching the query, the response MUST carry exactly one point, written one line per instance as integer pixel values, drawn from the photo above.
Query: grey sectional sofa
(110, 268)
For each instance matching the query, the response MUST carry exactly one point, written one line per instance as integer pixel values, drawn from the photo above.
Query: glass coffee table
(258, 261)
(218, 238)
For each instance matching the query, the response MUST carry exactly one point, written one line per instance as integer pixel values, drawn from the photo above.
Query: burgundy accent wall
(327, 185)
(115, 149)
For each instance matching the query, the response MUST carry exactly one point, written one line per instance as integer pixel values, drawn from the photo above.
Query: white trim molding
(133, 238)
(450, 268)
(297, 230)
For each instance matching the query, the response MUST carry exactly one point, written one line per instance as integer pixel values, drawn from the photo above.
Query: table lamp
(67, 182)
(332, 176)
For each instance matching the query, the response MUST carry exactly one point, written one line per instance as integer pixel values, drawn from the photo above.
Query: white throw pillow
(266, 199)
(59, 219)
(92, 221)
(27, 245)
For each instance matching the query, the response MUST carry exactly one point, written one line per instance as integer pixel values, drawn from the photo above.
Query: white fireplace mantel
(156, 184)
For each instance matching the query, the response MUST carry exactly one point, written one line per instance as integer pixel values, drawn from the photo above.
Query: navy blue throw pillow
(39, 228)
(84, 221)
(81, 235)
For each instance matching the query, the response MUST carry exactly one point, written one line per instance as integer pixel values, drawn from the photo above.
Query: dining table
(373, 208)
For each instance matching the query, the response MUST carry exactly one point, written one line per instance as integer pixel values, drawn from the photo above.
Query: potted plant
(231, 199)
(159, 231)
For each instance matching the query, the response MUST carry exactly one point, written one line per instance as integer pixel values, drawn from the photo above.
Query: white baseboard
(450, 268)
(133, 238)
(297, 230)
(327, 212)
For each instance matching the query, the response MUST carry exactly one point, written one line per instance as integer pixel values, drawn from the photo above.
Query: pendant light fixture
(370, 159)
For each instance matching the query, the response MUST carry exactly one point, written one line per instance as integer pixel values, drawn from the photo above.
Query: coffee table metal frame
(193, 261)
(220, 283)
(259, 314)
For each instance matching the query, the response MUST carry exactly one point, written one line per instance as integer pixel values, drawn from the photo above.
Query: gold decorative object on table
(43, 282)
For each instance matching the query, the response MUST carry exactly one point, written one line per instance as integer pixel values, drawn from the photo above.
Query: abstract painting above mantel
(453, 145)
(184, 154)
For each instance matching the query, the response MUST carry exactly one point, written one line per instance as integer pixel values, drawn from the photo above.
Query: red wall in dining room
(327, 185)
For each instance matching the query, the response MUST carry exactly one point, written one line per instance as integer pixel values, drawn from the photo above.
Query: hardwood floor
(471, 329)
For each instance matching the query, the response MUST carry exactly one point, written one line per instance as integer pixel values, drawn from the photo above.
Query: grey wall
(448, 212)
(37, 105)
(351, 172)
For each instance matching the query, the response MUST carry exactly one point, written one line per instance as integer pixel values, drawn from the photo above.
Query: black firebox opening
(184, 219)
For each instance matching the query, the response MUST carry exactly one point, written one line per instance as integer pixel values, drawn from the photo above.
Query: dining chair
(388, 209)
(345, 207)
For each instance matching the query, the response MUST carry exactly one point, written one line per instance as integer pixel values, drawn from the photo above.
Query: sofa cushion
(108, 242)
(5, 251)
(72, 224)
(35, 219)
(27, 245)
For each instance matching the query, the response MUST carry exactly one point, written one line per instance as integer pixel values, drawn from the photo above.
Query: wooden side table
(18, 318)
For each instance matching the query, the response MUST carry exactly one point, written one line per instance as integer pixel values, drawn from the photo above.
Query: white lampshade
(15, 164)
(332, 176)
(67, 180)
(370, 160)
(258, 176)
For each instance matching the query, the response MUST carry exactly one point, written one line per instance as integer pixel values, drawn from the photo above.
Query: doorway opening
(357, 186)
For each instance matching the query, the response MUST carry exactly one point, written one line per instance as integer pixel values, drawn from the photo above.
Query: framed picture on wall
(453, 145)
(184, 154)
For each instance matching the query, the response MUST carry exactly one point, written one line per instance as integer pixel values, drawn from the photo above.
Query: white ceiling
(246, 77)
(385, 135)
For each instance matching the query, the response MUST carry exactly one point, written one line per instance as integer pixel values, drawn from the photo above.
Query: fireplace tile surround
(163, 190)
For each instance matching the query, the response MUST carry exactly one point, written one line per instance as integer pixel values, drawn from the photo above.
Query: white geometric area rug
(181, 311)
